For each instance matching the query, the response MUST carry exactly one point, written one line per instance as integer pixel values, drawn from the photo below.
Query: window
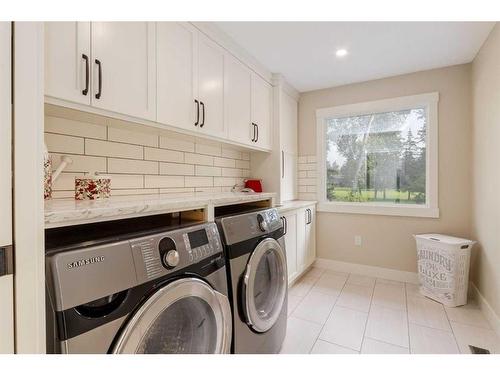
(379, 157)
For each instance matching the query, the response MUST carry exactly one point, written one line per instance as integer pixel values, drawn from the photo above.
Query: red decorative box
(255, 185)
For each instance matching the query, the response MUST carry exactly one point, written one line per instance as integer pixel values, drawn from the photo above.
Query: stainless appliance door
(186, 316)
(264, 285)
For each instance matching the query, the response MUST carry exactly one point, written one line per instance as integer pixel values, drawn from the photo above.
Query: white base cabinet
(300, 240)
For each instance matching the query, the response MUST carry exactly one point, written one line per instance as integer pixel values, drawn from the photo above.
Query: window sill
(376, 209)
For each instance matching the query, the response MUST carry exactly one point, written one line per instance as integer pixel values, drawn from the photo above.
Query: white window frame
(429, 101)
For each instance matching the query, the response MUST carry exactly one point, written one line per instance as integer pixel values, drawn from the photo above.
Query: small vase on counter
(92, 187)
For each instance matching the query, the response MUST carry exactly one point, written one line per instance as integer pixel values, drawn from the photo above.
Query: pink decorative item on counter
(92, 188)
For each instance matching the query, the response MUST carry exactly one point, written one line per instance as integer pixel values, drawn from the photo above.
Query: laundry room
(293, 186)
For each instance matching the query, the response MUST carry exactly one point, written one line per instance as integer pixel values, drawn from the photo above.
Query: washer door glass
(264, 286)
(184, 317)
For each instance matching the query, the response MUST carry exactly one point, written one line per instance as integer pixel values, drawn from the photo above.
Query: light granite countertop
(65, 212)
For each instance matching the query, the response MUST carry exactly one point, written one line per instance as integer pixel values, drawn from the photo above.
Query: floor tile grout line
(330, 313)
(368, 316)
(407, 320)
(388, 343)
(333, 343)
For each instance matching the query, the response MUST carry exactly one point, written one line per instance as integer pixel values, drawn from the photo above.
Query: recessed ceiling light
(341, 52)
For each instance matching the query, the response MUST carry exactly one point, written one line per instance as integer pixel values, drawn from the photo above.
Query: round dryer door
(186, 316)
(264, 285)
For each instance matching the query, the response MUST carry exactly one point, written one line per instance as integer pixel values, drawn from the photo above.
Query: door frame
(28, 222)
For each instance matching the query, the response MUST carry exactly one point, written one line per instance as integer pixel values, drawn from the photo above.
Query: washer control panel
(160, 254)
(242, 227)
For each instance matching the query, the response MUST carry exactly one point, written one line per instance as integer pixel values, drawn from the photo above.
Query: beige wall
(486, 168)
(388, 241)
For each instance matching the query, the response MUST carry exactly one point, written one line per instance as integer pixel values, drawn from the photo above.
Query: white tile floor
(338, 313)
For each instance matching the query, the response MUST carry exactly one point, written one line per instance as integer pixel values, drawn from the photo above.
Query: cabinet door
(310, 236)
(237, 100)
(288, 124)
(211, 87)
(301, 239)
(262, 110)
(124, 68)
(6, 281)
(176, 73)
(291, 244)
(67, 49)
(288, 176)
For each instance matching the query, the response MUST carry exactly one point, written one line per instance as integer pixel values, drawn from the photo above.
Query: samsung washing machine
(256, 264)
(145, 292)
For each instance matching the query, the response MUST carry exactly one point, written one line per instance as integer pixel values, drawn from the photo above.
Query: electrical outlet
(357, 240)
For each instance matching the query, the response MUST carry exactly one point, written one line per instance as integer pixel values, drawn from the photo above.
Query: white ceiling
(304, 52)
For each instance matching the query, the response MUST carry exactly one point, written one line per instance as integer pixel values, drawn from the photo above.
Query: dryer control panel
(161, 254)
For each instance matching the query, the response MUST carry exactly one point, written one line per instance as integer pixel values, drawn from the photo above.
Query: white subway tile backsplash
(133, 191)
(199, 181)
(307, 173)
(231, 154)
(307, 181)
(163, 181)
(203, 170)
(66, 181)
(177, 191)
(216, 189)
(81, 163)
(132, 166)
(176, 143)
(113, 149)
(306, 167)
(75, 128)
(176, 169)
(123, 181)
(132, 137)
(64, 143)
(205, 149)
(198, 159)
(139, 162)
(225, 181)
(231, 172)
(223, 162)
(163, 155)
(243, 164)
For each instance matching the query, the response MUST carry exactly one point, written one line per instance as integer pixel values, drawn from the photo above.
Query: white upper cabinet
(262, 94)
(237, 101)
(124, 68)
(67, 61)
(211, 87)
(288, 130)
(176, 74)
(168, 72)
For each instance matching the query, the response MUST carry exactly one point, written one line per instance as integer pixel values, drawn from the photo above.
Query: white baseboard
(488, 311)
(361, 269)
